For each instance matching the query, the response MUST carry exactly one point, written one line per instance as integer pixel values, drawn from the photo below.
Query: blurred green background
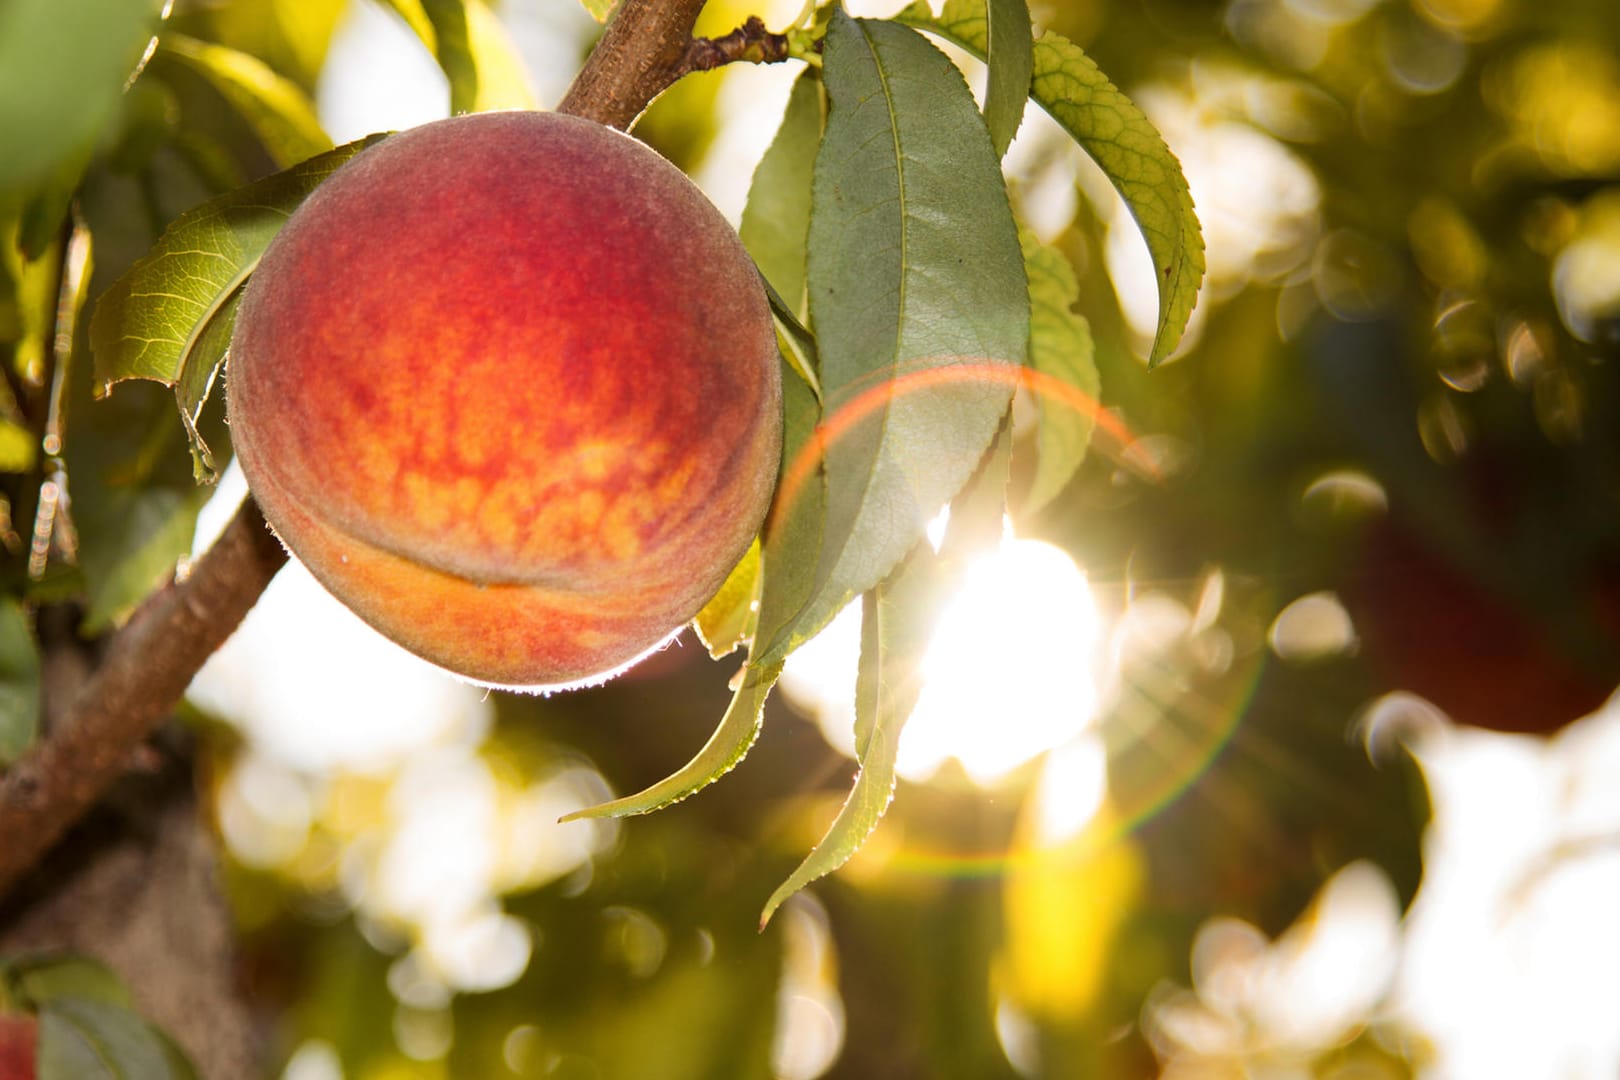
(1208, 789)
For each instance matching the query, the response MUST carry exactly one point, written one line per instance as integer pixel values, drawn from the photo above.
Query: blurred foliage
(1413, 411)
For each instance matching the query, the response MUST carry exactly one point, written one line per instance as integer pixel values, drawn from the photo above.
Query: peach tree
(909, 304)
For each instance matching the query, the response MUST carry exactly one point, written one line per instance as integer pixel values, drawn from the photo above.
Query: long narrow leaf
(1060, 350)
(1010, 55)
(897, 624)
(918, 299)
(1123, 142)
(731, 741)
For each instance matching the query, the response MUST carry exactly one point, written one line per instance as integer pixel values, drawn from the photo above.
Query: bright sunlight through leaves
(1010, 672)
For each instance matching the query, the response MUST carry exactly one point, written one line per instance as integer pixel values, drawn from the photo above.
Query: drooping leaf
(918, 299)
(897, 624)
(157, 320)
(731, 741)
(1067, 385)
(84, 1039)
(1123, 142)
(472, 48)
(62, 69)
(19, 682)
(727, 620)
(196, 383)
(276, 108)
(786, 563)
(1009, 52)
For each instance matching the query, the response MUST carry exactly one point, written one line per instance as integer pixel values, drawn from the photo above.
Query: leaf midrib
(882, 414)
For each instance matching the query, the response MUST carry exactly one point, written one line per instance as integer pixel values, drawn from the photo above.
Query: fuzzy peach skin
(507, 384)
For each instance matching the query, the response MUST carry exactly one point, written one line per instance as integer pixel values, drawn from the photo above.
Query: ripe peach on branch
(508, 385)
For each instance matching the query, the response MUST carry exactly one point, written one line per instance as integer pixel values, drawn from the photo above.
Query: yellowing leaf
(727, 620)
(1066, 386)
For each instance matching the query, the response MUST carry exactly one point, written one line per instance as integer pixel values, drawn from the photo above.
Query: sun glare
(1008, 675)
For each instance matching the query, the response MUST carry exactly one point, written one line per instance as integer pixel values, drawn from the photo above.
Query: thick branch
(146, 668)
(641, 53)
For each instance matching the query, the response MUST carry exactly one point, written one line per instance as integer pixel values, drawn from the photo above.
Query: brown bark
(144, 670)
(639, 56)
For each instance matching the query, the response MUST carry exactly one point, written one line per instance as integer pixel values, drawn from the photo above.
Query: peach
(507, 384)
(19, 1040)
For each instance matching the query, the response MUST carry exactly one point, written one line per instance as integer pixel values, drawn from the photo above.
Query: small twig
(647, 47)
(636, 60)
(750, 43)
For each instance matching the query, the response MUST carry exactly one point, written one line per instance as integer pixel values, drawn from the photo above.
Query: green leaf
(134, 498)
(727, 620)
(1123, 142)
(918, 298)
(1066, 384)
(31, 287)
(19, 682)
(45, 979)
(896, 626)
(776, 221)
(62, 70)
(276, 108)
(472, 48)
(796, 344)
(786, 567)
(82, 1039)
(158, 320)
(731, 741)
(1009, 52)
(601, 10)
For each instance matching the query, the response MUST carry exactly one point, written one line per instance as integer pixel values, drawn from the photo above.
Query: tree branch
(638, 58)
(148, 664)
(146, 668)
(750, 43)
(647, 47)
